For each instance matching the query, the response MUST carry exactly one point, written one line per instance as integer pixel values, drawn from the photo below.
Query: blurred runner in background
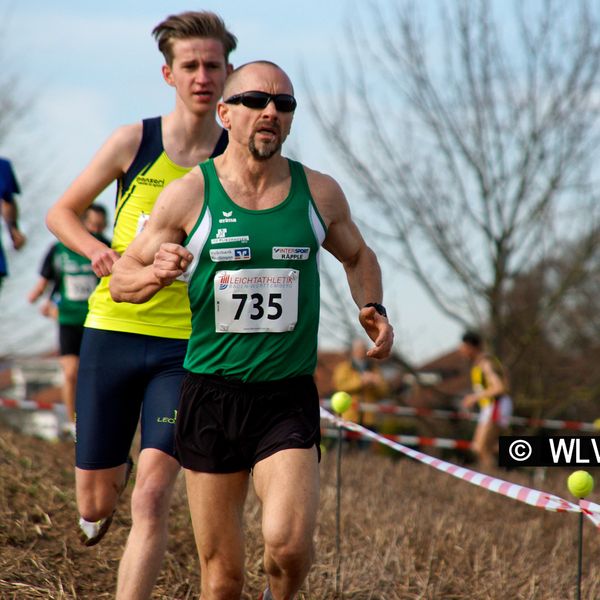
(361, 377)
(10, 212)
(490, 392)
(72, 280)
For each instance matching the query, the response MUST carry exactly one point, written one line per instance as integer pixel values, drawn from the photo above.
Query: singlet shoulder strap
(300, 183)
(298, 174)
(208, 171)
(151, 147)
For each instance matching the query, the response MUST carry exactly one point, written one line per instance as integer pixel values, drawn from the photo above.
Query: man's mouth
(202, 95)
(268, 131)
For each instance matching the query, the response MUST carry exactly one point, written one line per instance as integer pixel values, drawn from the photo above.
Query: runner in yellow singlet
(490, 392)
(131, 363)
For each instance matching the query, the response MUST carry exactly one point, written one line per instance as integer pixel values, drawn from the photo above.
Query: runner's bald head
(246, 74)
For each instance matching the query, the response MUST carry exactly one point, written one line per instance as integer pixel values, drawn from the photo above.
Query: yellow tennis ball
(580, 484)
(340, 402)
(597, 424)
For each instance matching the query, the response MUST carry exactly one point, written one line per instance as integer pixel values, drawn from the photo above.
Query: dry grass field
(408, 532)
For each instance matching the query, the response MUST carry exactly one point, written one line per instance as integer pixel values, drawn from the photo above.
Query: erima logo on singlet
(227, 217)
(291, 253)
(151, 181)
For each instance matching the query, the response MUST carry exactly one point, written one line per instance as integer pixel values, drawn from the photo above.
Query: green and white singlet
(76, 281)
(254, 284)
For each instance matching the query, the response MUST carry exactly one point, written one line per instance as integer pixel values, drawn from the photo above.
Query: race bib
(79, 287)
(256, 300)
(142, 220)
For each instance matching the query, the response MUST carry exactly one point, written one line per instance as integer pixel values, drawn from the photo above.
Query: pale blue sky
(90, 67)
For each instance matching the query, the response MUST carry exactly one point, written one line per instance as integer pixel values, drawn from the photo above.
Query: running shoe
(68, 430)
(90, 533)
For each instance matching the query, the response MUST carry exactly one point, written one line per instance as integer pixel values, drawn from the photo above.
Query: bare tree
(12, 102)
(470, 133)
(558, 376)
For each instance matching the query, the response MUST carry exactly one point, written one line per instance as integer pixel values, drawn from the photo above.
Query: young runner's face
(198, 72)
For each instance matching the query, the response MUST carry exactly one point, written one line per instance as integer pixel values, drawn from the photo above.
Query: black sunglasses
(283, 102)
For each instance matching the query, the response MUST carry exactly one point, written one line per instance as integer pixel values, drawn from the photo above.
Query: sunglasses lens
(255, 99)
(284, 103)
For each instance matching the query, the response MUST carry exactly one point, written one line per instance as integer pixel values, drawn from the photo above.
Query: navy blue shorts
(226, 426)
(124, 378)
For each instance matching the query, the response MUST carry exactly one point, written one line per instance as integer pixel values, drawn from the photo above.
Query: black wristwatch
(380, 308)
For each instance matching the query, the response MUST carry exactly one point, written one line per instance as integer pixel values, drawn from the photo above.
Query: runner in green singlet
(72, 280)
(245, 230)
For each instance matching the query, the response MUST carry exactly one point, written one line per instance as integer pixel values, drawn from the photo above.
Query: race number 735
(274, 309)
(256, 300)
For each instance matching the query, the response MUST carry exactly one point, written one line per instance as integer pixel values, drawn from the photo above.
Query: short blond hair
(192, 24)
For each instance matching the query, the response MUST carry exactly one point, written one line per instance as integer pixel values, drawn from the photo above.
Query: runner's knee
(150, 500)
(95, 511)
(221, 583)
(291, 556)
(96, 503)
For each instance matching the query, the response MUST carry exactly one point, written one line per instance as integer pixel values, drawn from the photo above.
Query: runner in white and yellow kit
(490, 392)
(132, 356)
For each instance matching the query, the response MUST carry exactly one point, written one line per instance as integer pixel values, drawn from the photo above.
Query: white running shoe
(91, 532)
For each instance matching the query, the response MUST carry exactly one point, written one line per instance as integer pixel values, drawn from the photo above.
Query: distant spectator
(10, 211)
(363, 380)
(73, 280)
(490, 391)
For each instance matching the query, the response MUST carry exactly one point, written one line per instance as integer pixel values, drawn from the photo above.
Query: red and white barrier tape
(27, 404)
(412, 411)
(591, 510)
(412, 440)
(506, 488)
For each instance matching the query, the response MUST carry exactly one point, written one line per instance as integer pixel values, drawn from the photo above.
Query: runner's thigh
(110, 389)
(161, 398)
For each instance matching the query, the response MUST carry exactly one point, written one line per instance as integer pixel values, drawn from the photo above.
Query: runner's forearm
(133, 282)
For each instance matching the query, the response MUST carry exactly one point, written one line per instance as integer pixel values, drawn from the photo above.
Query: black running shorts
(69, 338)
(226, 426)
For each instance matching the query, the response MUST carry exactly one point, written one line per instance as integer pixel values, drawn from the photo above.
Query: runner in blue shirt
(10, 211)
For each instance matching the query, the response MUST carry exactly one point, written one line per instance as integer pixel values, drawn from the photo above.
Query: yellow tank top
(478, 379)
(167, 314)
(478, 384)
